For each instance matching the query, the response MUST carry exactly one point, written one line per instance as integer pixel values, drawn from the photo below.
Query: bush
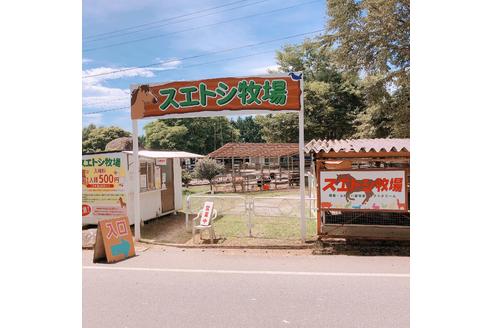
(186, 178)
(208, 169)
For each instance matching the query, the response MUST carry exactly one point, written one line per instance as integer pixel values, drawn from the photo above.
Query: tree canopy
(249, 129)
(94, 138)
(372, 38)
(208, 169)
(159, 135)
(332, 98)
(357, 75)
(196, 135)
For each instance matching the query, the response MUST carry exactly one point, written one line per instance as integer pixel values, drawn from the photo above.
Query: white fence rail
(249, 208)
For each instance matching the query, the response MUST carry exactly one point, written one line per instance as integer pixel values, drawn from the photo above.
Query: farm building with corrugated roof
(363, 187)
(254, 165)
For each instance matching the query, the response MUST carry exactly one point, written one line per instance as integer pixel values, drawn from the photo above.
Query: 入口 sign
(373, 190)
(269, 93)
(114, 241)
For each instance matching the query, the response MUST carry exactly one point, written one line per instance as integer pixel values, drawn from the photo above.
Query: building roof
(164, 154)
(358, 145)
(240, 150)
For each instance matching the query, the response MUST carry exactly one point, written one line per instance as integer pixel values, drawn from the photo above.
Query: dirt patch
(247, 242)
(167, 229)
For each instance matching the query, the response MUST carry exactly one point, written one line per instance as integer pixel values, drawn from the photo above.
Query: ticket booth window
(147, 176)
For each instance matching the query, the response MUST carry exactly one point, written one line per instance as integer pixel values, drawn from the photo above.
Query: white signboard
(161, 161)
(376, 190)
(208, 208)
(103, 187)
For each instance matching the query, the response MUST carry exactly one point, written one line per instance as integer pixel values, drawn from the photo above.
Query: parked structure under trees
(258, 166)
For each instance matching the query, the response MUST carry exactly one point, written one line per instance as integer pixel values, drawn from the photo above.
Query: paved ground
(169, 287)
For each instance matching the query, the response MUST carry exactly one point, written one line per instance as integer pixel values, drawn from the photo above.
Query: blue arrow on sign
(122, 248)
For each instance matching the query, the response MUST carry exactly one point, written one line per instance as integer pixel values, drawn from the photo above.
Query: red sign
(363, 190)
(86, 209)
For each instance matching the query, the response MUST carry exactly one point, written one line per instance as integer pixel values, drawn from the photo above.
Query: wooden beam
(356, 231)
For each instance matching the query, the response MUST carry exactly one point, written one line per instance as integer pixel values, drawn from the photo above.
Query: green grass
(263, 227)
(196, 190)
(235, 226)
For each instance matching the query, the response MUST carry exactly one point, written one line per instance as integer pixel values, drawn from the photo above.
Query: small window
(147, 176)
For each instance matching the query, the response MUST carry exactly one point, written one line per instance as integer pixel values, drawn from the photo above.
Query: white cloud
(86, 60)
(264, 69)
(95, 119)
(97, 94)
(254, 65)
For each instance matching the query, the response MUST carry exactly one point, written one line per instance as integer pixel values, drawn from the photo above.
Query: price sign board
(103, 187)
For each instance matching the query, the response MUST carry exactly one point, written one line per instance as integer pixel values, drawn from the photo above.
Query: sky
(131, 34)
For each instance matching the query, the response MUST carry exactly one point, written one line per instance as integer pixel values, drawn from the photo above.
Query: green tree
(202, 135)
(372, 38)
(249, 129)
(332, 98)
(208, 169)
(186, 178)
(94, 138)
(160, 136)
(86, 130)
(279, 127)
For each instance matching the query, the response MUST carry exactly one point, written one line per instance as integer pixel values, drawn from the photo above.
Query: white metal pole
(301, 164)
(136, 181)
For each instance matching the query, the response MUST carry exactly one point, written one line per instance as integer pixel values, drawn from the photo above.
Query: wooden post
(261, 176)
(279, 170)
(232, 175)
(301, 165)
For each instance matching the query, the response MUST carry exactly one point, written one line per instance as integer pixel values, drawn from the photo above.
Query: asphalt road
(168, 287)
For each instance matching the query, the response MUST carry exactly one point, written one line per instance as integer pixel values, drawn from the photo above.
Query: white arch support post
(136, 181)
(302, 206)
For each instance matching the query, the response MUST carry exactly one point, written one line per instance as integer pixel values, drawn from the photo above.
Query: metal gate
(256, 217)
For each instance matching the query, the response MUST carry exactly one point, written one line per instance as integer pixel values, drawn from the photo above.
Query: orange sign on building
(114, 240)
(280, 92)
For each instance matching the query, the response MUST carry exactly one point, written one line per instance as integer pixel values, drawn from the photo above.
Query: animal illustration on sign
(122, 202)
(354, 185)
(375, 206)
(141, 96)
(400, 205)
